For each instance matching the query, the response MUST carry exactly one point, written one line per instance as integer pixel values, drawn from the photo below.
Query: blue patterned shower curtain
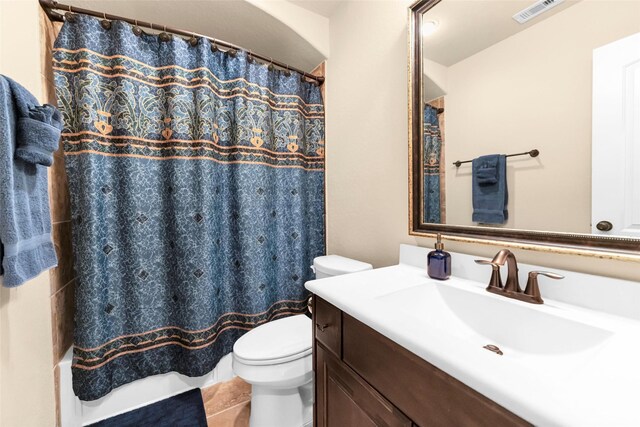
(432, 151)
(197, 190)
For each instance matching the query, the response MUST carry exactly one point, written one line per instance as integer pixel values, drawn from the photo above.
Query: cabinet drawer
(427, 395)
(327, 321)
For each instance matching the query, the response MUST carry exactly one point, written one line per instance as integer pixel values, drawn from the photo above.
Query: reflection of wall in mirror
(533, 90)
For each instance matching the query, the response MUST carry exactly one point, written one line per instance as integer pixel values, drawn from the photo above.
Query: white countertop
(600, 387)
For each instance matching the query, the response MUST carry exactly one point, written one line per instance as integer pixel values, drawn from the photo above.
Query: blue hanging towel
(489, 193)
(29, 135)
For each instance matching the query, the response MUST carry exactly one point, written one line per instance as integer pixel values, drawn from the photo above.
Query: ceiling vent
(535, 10)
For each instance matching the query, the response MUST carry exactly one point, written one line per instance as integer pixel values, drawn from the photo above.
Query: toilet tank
(334, 265)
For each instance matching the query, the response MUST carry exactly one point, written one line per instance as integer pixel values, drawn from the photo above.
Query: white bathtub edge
(77, 413)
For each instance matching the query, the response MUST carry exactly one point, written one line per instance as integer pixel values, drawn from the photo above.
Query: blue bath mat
(184, 410)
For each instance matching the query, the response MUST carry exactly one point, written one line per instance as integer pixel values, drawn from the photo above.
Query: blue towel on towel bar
(489, 192)
(29, 135)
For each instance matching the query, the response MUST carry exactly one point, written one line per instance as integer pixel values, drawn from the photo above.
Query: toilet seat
(279, 341)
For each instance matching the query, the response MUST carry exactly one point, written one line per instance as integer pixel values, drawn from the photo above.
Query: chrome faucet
(512, 289)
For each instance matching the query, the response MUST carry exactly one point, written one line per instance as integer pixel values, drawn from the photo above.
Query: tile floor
(228, 404)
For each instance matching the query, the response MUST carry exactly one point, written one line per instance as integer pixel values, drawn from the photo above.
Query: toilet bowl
(275, 358)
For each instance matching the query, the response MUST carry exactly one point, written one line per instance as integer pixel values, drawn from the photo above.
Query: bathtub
(75, 412)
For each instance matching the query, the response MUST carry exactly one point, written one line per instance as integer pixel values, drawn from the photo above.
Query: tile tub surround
(593, 385)
(61, 277)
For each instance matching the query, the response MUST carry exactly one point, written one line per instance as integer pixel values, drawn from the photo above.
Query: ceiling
(259, 31)
(466, 27)
(321, 7)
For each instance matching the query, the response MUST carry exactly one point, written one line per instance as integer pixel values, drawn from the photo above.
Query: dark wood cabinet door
(344, 400)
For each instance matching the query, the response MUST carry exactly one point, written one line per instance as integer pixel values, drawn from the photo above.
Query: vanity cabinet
(364, 379)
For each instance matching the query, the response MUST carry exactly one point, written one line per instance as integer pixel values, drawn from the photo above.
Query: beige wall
(366, 130)
(367, 155)
(533, 90)
(26, 353)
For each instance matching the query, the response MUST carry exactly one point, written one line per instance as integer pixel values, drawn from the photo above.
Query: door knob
(604, 226)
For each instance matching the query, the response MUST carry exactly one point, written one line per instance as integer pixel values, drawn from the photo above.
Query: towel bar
(532, 153)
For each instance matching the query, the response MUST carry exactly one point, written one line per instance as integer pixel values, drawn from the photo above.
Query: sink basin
(479, 318)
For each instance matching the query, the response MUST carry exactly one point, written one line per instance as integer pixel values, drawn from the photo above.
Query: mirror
(525, 120)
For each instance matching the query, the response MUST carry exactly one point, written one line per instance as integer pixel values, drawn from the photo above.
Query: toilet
(275, 358)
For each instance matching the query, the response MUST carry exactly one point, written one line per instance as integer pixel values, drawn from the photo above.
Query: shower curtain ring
(137, 30)
(287, 73)
(163, 35)
(106, 24)
(271, 67)
(69, 16)
(193, 41)
(214, 47)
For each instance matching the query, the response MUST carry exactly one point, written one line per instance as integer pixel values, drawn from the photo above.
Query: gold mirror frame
(580, 244)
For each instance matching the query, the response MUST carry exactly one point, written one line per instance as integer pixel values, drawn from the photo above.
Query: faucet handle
(486, 262)
(532, 288)
(496, 281)
(546, 273)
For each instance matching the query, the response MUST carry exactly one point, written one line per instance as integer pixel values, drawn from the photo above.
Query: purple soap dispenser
(439, 262)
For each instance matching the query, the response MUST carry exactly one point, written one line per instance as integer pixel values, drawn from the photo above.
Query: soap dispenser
(439, 262)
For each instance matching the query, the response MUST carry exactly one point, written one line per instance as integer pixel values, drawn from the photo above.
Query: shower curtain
(432, 150)
(197, 192)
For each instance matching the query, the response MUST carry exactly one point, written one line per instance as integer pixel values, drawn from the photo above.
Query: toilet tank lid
(336, 264)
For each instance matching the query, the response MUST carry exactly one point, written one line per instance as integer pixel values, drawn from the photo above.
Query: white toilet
(275, 358)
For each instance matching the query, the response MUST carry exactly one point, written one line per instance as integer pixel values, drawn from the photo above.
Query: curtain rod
(50, 7)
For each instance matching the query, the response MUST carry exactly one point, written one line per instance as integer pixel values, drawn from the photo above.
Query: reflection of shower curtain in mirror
(433, 206)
